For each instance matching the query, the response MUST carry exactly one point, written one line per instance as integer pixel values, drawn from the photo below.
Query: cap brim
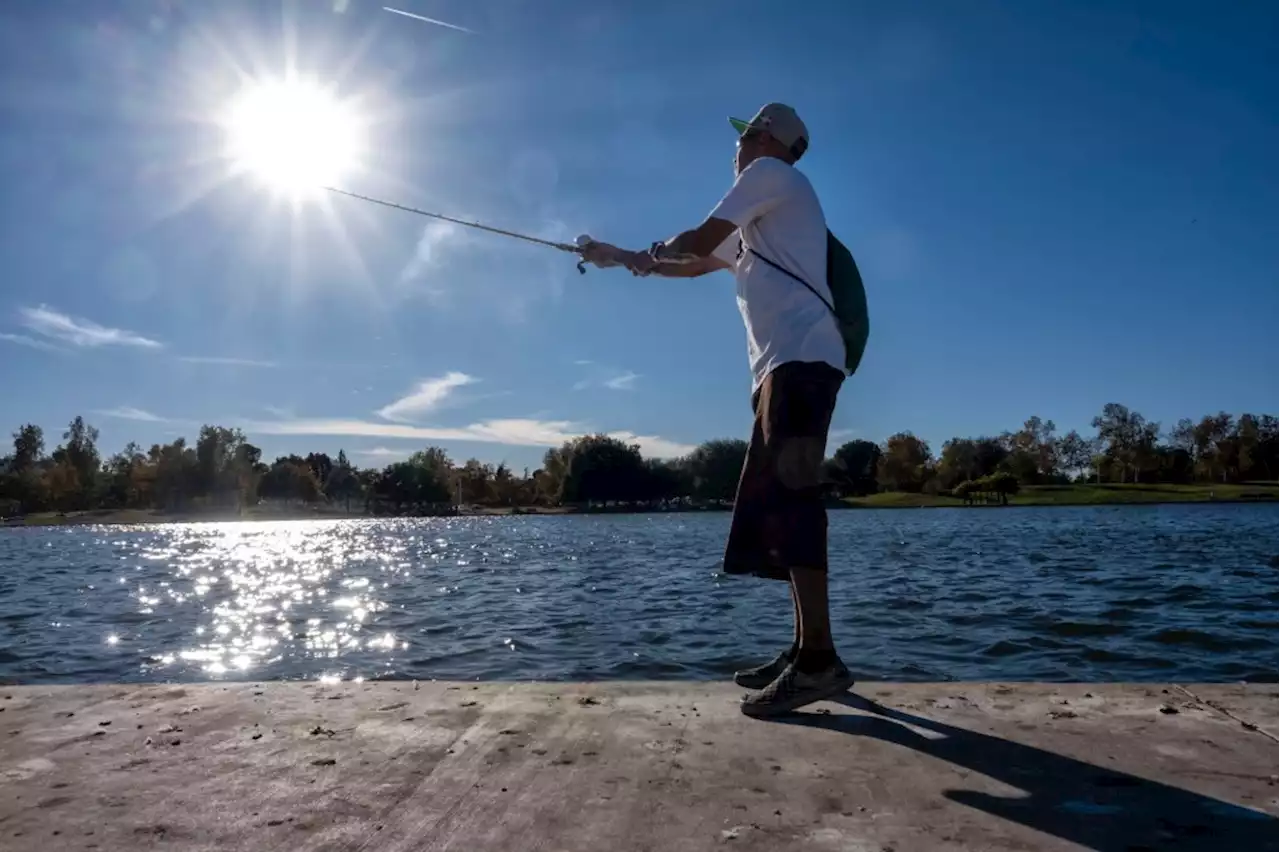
(740, 125)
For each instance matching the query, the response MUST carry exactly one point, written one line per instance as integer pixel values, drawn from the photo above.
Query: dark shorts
(779, 520)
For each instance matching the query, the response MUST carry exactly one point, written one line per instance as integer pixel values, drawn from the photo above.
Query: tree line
(223, 470)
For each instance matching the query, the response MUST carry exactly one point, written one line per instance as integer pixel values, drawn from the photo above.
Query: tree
(422, 485)
(905, 463)
(1022, 464)
(713, 469)
(22, 483)
(28, 448)
(506, 489)
(662, 480)
(475, 482)
(321, 465)
(1173, 464)
(63, 483)
(1183, 436)
(72, 478)
(290, 478)
(227, 465)
(343, 482)
(1211, 436)
(120, 484)
(1075, 453)
(555, 463)
(1243, 456)
(176, 473)
(1037, 449)
(1268, 445)
(855, 465)
(601, 469)
(1127, 438)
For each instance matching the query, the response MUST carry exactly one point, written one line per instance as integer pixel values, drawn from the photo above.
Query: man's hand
(604, 255)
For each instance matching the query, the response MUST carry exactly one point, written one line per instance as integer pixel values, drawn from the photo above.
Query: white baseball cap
(781, 122)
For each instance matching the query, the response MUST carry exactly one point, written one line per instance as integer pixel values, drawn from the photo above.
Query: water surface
(1099, 593)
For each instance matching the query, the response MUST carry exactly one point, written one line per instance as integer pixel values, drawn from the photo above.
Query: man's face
(750, 144)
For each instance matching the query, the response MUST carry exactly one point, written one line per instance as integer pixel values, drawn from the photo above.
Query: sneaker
(763, 675)
(794, 689)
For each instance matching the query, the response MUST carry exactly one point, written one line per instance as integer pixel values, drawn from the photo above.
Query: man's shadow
(1094, 807)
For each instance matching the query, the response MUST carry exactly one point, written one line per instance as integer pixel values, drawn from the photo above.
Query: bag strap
(791, 274)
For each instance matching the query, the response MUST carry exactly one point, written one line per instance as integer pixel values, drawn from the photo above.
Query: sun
(293, 135)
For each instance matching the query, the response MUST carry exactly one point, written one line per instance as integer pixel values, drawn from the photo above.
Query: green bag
(850, 308)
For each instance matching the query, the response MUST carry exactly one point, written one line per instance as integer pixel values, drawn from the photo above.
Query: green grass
(1089, 495)
(1032, 495)
(156, 516)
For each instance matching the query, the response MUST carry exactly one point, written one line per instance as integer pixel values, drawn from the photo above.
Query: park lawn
(1089, 495)
(1031, 495)
(157, 516)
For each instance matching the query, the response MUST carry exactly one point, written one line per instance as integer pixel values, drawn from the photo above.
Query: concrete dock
(636, 766)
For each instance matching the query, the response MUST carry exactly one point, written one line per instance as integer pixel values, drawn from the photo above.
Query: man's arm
(692, 269)
(700, 242)
(604, 255)
(755, 191)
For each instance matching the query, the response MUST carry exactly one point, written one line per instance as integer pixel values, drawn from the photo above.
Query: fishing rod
(572, 249)
(579, 249)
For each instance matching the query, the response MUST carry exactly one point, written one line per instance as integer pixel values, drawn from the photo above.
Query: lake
(1138, 593)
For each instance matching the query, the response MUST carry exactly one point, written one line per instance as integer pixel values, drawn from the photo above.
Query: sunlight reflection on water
(264, 586)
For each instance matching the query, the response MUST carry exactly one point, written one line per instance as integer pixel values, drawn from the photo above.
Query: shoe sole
(796, 702)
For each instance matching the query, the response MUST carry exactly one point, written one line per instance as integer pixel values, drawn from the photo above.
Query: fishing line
(579, 248)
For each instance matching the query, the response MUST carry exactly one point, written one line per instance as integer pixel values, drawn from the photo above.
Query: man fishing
(770, 231)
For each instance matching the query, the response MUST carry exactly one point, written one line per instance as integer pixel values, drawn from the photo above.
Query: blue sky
(1055, 205)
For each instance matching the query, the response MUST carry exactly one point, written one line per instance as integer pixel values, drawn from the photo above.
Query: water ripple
(1133, 593)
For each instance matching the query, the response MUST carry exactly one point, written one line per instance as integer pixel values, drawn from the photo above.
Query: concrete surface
(635, 766)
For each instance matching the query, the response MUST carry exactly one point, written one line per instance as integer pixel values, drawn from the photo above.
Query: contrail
(428, 20)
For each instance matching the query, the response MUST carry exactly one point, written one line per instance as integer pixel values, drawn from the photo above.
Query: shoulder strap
(791, 274)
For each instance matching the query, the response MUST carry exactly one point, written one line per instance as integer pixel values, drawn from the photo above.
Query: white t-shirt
(778, 215)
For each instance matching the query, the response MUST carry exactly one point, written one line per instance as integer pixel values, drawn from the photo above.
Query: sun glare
(294, 136)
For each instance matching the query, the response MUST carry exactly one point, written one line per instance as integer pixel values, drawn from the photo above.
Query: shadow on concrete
(1089, 805)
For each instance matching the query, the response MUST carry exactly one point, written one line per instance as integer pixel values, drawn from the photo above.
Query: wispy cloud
(653, 447)
(622, 381)
(435, 235)
(523, 432)
(428, 395)
(23, 340)
(606, 377)
(427, 20)
(388, 453)
(52, 324)
(128, 412)
(225, 361)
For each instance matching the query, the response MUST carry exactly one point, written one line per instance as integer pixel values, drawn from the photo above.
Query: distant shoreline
(1037, 495)
(1099, 494)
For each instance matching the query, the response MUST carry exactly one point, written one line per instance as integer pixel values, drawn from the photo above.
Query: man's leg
(813, 618)
(816, 673)
(746, 551)
(795, 426)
